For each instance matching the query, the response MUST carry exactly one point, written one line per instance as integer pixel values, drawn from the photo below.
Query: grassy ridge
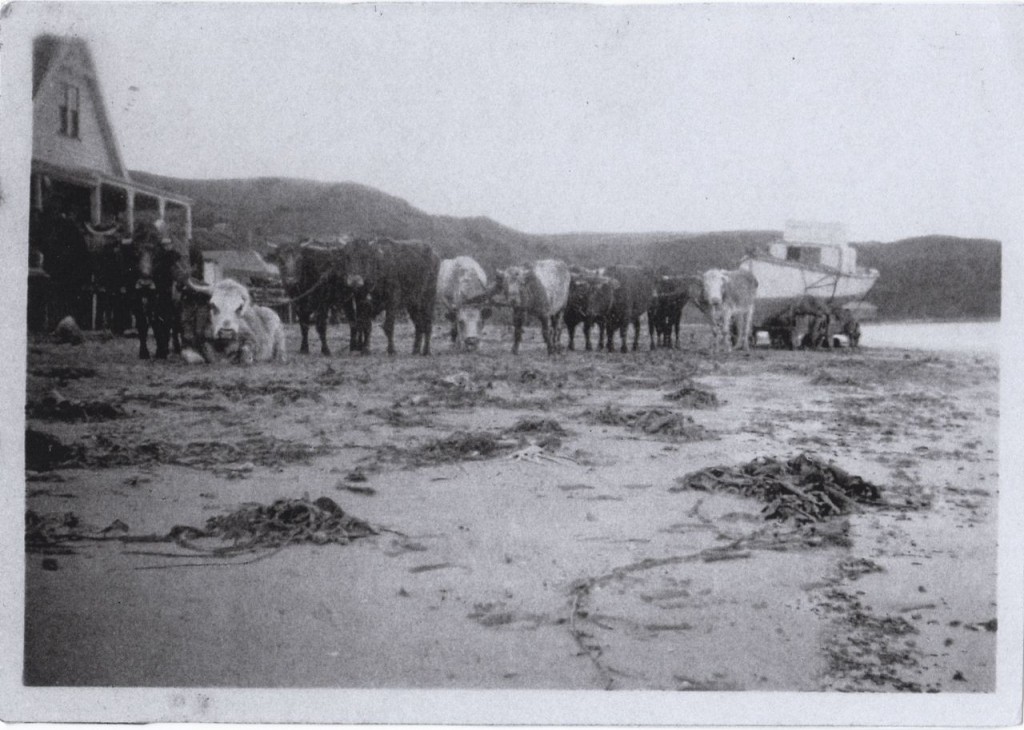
(939, 277)
(935, 277)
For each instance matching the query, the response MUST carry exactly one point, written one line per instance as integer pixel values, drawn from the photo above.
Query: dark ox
(729, 295)
(313, 276)
(193, 319)
(157, 271)
(388, 276)
(590, 299)
(60, 240)
(671, 295)
(539, 289)
(112, 257)
(462, 293)
(631, 300)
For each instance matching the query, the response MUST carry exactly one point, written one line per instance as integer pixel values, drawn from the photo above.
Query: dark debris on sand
(55, 407)
(691, 395)
(653, 421)
(803, 488)
(286, 522)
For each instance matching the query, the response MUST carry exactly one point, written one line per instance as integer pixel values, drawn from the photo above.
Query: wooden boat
(811, 259)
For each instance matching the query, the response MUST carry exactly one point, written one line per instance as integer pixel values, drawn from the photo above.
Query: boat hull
(780, 282)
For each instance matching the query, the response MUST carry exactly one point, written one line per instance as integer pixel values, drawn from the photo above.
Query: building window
(69, 112)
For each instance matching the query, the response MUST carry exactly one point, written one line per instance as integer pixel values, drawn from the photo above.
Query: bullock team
(144, 276)
(365, 278)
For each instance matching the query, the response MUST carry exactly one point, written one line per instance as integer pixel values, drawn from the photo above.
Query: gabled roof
(48, 53)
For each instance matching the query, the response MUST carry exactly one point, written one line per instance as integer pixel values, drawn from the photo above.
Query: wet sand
(567, 566)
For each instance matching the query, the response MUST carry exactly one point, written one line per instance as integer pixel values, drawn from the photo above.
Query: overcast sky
(898, 121)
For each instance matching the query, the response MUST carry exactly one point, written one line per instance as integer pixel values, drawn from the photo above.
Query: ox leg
(142, 325)
(363, 327)
(162, 335)
(636, 334)
(749, 327)
(518, 317)
(176, 334)
(547, 334)
(586, 335)
(176, 324)
(304, 330)
(321, 331)
(421, 342)
(352, 315)
(555, 335)
(364, 335)
(571, 332)
(354, 336)
(733, 332)
(389, 329)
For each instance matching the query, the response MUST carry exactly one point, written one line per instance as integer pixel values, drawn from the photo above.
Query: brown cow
(631, 299)
(671, 295)
(590, 298)
(386, 275)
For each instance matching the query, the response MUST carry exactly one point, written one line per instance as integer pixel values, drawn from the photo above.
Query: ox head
(230, 302)
(469, 318)
(511, 282)
(288, 257)
(145, 262)
(580, 282)
(713, 287)
(595, 293)
(363, 261)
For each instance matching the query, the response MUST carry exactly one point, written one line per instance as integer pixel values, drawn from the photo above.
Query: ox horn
(201, 288)
(100, 231)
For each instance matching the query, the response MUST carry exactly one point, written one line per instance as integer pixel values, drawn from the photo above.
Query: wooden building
(76, 161)
(79, 178)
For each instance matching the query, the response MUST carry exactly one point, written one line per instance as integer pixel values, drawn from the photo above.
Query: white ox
(462, 292)
(728, 295)
(540, 289)
(239, 329)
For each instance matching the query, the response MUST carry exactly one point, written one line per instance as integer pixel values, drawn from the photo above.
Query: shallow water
(946, 336)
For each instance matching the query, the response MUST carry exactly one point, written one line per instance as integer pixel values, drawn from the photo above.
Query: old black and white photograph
(622, 364)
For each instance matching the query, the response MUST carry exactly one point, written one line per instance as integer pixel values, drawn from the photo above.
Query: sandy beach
(532, 526)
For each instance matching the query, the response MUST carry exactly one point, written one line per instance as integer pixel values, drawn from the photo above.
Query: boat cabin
(842, 258)
(815, 244)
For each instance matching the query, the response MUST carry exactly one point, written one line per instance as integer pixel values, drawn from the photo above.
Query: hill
(258, 209)
(935, 277)
(939, 277)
